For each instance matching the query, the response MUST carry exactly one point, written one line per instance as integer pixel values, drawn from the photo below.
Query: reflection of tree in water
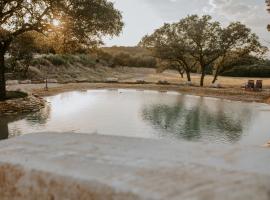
(40, 117)
(197, 122)
(3, 129)
(4, 121)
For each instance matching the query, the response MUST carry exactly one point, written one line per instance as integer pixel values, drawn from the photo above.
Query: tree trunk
(181, 72)
(182, 75)
(215, 77)
(2, 76)
(202, 77)
(188, 76)
(217, 72)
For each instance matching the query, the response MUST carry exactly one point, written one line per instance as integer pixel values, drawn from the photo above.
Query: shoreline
(233, 94)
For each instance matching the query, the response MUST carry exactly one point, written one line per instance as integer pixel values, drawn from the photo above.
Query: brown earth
(231, 88)
(236, 94)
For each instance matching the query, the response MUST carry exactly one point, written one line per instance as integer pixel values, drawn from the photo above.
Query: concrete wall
(77, 166)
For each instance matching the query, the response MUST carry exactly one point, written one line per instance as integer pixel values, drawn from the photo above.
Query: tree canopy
(84, 21)
(268, 9)
(201, 42)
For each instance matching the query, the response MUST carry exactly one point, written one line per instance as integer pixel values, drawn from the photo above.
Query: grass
(64, 60)
(56, 60)
(16, 95)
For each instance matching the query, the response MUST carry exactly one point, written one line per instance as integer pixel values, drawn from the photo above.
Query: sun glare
(56, 22)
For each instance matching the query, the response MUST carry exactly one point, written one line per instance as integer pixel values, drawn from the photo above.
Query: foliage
(127, 56)
(66, 59)
(201, 43)
(268, 9)
(249, 71)
(16, 94)
(236, 42)
(248, 66)
(56, 59)
(179, 42)
(79, 22)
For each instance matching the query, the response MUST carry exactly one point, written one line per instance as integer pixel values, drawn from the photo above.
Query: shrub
(249, 71)
(86, 59)
(69, 58)
(16, 94)
(56, 60)
(39, 61)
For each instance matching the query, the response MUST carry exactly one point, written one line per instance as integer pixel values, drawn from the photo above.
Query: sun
(56, 22)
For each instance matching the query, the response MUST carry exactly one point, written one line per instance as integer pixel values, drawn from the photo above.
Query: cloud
(143, 16)
(246, 11)
(250, 12)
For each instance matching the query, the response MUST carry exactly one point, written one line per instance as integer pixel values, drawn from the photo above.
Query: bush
(69, 58)
(86, 59)
(249, 71)
(56, 60)
(124, 59)
(39, 61)
(16, 94)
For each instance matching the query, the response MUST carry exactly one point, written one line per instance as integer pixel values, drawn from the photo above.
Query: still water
(147, 114)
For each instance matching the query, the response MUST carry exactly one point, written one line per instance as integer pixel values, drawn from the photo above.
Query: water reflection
(39, 118)
(4, 129)
(147, 114)
(194, 120)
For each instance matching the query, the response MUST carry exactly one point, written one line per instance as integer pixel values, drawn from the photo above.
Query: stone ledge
(77, 166)
(21, 105)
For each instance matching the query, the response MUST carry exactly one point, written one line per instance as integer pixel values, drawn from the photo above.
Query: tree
(236, 41)
(21, 51)
(164, 65)
(268, 9)
(201, 35)
(169, 44)
(87, 21)
(202, 43)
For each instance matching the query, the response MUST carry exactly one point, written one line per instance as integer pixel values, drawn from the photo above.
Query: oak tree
(87, 21)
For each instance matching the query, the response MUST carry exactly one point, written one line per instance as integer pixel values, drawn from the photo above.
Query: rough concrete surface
(69, 166)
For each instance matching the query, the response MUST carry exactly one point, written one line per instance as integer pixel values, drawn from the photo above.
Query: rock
(84, 166)
(141, 81)
(112, 80)
(216, 85)
(25, 82)
(21, 105)
(52, 81)
(163, 82)
(12, 82)
(82, 80)
(37, 81)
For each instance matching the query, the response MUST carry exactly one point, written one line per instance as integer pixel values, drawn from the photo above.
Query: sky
(142, 17)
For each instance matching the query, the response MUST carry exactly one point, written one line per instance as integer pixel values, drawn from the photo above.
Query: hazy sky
(144, 16)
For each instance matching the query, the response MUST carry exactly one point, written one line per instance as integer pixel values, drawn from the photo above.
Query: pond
(147, 114)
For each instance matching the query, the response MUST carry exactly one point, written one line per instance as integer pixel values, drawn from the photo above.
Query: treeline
(29, 44)
(249, 67)
(198, 43)
(176, 52)
(127, 56)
